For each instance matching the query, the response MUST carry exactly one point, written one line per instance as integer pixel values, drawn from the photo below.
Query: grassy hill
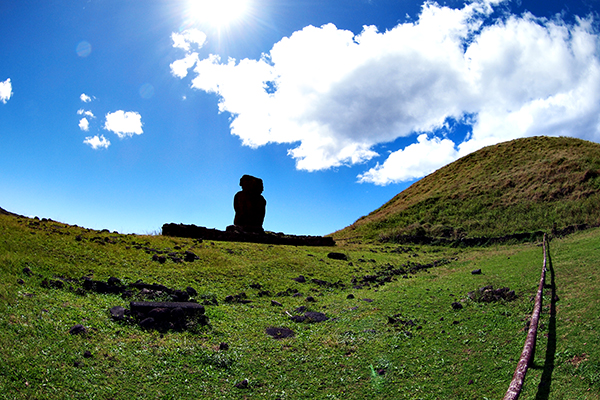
(391, 331)
(524, 185)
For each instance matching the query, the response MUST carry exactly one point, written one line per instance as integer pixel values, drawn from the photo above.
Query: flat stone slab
(200, 232)
(144, 307)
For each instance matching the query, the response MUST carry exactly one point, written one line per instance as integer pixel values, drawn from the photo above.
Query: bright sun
(218, 13)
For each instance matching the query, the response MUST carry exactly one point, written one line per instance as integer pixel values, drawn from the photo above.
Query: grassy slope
(339, 358)
(518, 186)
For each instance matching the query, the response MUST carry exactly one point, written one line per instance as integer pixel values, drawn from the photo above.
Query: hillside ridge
(524, 185)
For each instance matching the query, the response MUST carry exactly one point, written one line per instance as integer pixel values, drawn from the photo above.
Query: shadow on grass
(543, 392)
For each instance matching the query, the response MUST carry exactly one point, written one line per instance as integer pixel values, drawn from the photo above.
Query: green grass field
(398, 338)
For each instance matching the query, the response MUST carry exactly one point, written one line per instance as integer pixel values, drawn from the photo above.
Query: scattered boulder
(189, 256)
(77, 329)
(487, 294)
(280, 333)
(310, 317)
(457, 306)
(242, 385)
(337, 256)
(300, 279)
(476, 272)
(117, 313)
(238, 298)
(167, 315)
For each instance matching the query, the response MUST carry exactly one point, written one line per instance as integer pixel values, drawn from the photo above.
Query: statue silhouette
(249, 205)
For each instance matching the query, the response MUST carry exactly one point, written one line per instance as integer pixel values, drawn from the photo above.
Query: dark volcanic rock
(457, 306)
(242, 385)
(181, 296)
(280, 333)
(147, 323)
(117, 313)
(77, 329)
(487, 294)
(190, 257)
(337, 256)
(312, 316)
(476, 272)
(234, 235)
(300, 279)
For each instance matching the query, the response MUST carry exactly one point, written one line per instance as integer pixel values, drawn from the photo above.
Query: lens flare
(83, 49)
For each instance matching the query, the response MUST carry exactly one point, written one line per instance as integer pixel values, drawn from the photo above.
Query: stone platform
(200, 232)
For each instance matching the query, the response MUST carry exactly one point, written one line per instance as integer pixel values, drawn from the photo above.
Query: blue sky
(126, 115)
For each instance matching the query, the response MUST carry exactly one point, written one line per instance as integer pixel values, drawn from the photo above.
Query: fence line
(529, 348)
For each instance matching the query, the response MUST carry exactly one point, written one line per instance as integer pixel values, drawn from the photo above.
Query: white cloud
(88, 113)
(123, 123)
(84, 124)
(335, 95)
(180, 68)
(187, 38)
(85, 98)
(97, 142)
(410, 163)
(5, 91)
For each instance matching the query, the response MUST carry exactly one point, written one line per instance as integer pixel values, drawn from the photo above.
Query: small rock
(147, 323)
(470, 382)
(223, 346)
(27, 271)
(476, 272)
(300, 279)
(20, 281)
(300, 309)
(279, 333)
(298, 318)
(191, 291)
(310, 299)
(190, 257)
(242, 385)
(87, 354)
(117, 313)
(113, 281)
(368, 300)
(77, 329)
(160, 259)
(180, 296)
(350, 296)
(337, 256)
(312, 316)
(276, 303)
(457, 306)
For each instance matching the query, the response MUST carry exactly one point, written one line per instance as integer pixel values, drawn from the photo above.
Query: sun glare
(218, 13)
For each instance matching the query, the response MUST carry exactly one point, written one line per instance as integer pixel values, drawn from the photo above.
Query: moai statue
(249, 205)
